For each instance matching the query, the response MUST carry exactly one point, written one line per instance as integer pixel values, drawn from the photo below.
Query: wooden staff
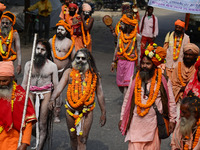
(27, 89)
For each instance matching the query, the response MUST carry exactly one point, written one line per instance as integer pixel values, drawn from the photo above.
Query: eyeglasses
(6, 23)
(78, 58)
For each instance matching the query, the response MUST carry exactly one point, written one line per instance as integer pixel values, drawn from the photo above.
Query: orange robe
(186, 73)
(9, 140)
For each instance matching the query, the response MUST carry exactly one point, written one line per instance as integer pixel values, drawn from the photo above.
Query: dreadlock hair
(47, 46)
(90, 60)
(193, 103)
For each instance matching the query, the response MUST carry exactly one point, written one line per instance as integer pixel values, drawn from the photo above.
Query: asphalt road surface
(107, 137)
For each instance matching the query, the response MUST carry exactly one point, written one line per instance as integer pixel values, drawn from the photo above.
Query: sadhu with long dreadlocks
(126, 53)
(149, 89)
(83, 82)
(187, 132)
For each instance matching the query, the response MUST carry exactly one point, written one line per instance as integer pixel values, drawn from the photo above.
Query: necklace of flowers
(196, 139)
(179, 74)
(152, 95)
(76, 96)
(8, 41)
(65, 9)
(176, 53)
(54, 49)
(117, 28)
(77, 118)
(123, 50)
(86, 42)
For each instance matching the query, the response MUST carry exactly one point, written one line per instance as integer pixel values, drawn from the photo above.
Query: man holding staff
(44, 79)
(12, 99)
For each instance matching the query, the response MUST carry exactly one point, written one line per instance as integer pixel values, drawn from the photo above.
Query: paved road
(107, 137)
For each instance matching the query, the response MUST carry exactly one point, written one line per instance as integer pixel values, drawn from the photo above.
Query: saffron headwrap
(73, 5)
(2, 7)
(10, 16)
(191, 46)
(64, 24)
(126, 20)
(156, 54)
(86, 7)
(180, 23)
(7, 68)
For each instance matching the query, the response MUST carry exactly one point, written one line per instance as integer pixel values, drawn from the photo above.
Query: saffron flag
(184, 6)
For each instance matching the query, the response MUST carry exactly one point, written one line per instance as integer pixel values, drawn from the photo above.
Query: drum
(107, 20)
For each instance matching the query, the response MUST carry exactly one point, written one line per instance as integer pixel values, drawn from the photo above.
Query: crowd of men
(155, 80)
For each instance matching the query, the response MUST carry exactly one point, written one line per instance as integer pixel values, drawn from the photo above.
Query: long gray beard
(6, 92)
(186, 125)
(80, 66)
(5, 31)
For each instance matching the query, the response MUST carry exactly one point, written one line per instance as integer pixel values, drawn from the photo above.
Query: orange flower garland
(179, 74)
(196, 139)
(8, 42)
(86, 42)
(123, 51)
(176, 53)
(152, 96)
(75, 96)
(54, 50)
(117, 28)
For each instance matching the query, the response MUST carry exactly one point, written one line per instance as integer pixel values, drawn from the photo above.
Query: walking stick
(27, 89)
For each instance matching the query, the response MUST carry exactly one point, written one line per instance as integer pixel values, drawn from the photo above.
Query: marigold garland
(117, 28)
(79, 117)
(179, 75)
(8, 42)
(196, 139)
(12, 101)
(176, 53)
(78, 97)
(123, 51)
(54, 49)
(86, 42)
(152, 95)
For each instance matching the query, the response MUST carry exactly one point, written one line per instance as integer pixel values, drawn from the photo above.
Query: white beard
(186, 125)
(80, 67)
(6, 93)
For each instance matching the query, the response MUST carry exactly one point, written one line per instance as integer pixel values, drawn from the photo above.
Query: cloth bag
(162, 123)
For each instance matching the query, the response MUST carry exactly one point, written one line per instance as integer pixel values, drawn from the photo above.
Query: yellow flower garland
(176, 53)
(8, 42)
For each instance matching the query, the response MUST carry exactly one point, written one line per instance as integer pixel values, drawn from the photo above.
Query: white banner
(185, 6)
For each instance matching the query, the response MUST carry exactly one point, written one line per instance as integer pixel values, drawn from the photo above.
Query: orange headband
(129, 21)
(180, 23)
(6, 16)
(64, 24)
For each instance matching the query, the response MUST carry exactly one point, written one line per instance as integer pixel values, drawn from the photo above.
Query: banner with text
(185, 6)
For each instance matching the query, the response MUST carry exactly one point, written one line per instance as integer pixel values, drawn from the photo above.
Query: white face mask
(40, 49)
(80, 62)
(61, 29)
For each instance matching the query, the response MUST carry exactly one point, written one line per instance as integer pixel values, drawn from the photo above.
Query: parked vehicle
(110, 4)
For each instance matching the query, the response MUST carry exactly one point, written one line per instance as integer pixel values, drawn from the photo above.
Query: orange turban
(10, 16)
(64, 24)
(180, 23)
(157, 55)
(2, 7)
(191, 46)
(7, 68)
(86, 7)
(129, 21)
(73, 5)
